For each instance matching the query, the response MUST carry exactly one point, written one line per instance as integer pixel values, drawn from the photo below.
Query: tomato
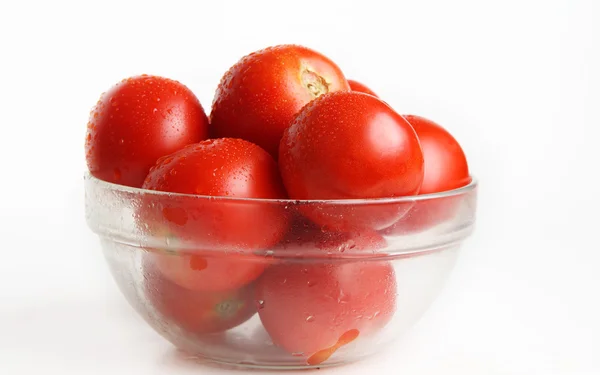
(259, 96)
(193, 311)
(360, 87)
(305, 239)
(211, 270)
(216, 228)
(311, 310)
(446, 168)
(137, 121)
(350, 145)
(351, 244)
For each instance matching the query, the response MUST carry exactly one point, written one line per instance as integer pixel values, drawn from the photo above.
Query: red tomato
(311, 310)
(137, 121)
(216, 227)
(211, 271)
(305, 239)
(357, 86)
(446, 168)
(259, 96)
(197, 312)
(350, 145)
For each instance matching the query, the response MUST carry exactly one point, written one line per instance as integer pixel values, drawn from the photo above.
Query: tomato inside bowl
(315, 297)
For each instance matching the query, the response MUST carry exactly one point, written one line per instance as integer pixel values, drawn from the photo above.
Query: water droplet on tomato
(310, 319)
(311, 283)
(298, 354)
(260, 304)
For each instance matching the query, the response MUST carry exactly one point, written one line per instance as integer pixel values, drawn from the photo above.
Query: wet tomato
(216, 229)
(350, 145)
(137, 121)
(446, 168)
(259, 96)
(311, 310)
(197, 312)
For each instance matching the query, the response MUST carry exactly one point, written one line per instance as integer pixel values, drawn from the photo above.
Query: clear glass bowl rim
(105, 185)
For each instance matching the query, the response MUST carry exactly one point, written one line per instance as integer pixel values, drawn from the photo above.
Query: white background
(517, 82)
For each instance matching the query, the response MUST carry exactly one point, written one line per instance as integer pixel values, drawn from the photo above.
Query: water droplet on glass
(341, 297)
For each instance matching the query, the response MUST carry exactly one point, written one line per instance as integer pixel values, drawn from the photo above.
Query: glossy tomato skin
(258, 97)
(311, 310)
(446, 168)
(197, 312)
(217, 228)
(136, 122)
(350, 145)
(360, 87)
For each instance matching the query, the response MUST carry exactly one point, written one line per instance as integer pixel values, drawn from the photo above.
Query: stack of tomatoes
(285, 123)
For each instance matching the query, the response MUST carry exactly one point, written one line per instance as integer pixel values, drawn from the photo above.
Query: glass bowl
(279, 284)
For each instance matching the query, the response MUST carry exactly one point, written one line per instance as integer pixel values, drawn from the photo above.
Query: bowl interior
(279, 284)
